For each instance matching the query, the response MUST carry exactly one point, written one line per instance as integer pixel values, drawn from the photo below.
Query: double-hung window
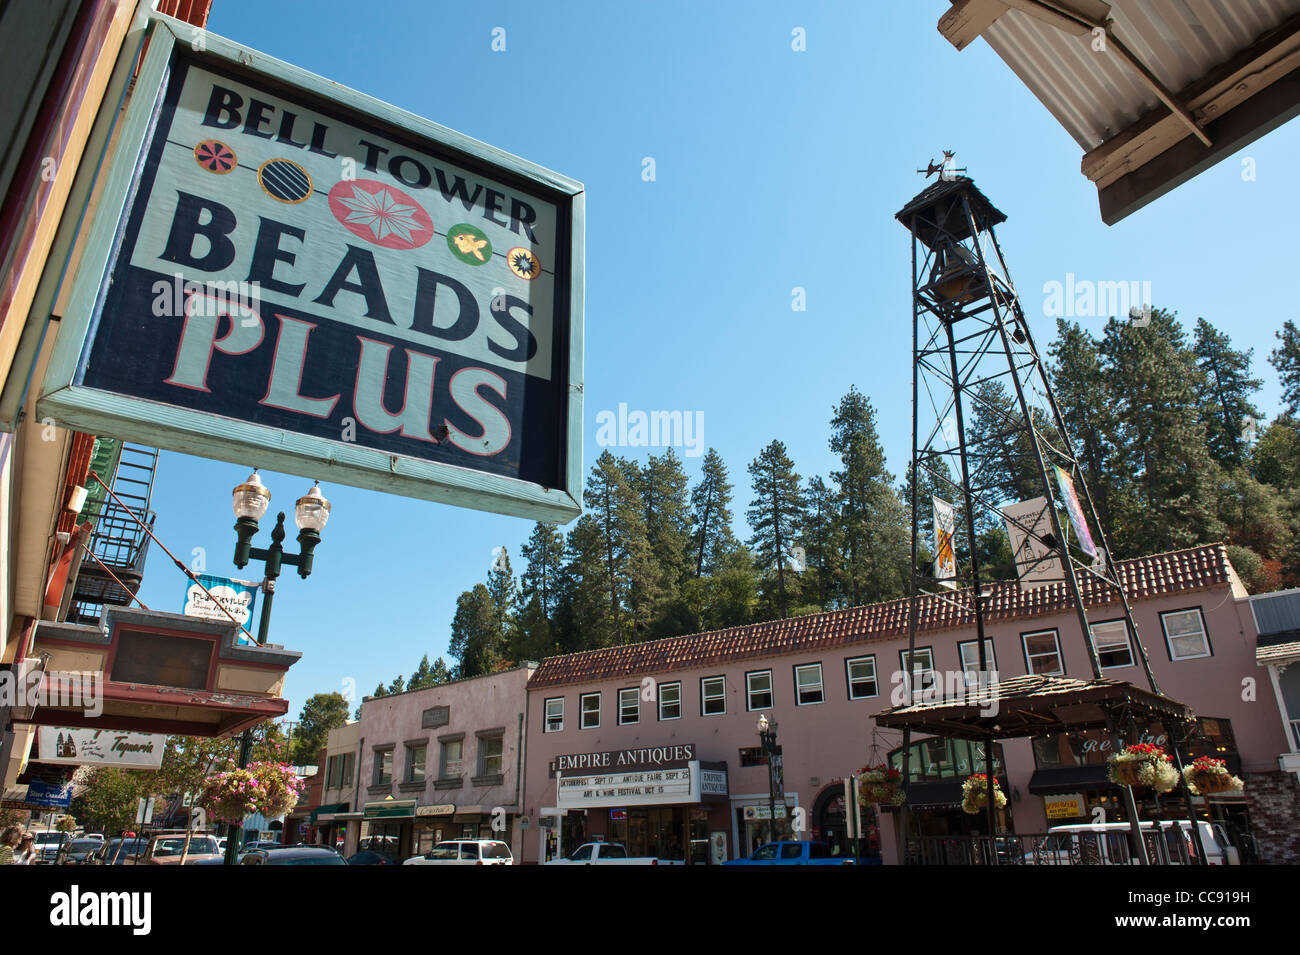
(589, 705)
(808, 684)
(758, 688)
(862, 677)
(1110, 640)
(629, 706)
(713, 696)
(1185, 634)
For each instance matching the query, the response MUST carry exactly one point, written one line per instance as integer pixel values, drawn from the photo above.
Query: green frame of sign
(189, 431)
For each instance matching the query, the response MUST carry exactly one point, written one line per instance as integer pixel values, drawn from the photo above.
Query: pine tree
(1286, 359)
(397, 686)
(1083, 397)
(629, 574)
(504, 593)
(1168, 497)
(544, 552)
(821, 537)
(588, 613)
(711, 537)
(422, 677)
(775, 517)
(1226, 408)
(875, 534)
(662, 486)
(476, 638)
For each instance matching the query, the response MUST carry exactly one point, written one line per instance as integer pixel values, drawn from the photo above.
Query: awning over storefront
(940, 795)
(327, 810)
(1068, 779)
(390, 809)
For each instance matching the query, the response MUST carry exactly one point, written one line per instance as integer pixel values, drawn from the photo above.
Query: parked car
(292, 855)
(120, 851)
(80, 851)
(609, 853)
(47, 845)
(263, 844)
(465, 852)
(370, 857)
(167, 848)
(1108, 844)
(793, 853)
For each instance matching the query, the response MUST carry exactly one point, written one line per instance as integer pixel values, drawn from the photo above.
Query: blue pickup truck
(793, 853)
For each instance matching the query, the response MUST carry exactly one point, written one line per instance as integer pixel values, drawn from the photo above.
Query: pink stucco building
(655, 744)
(439, 763)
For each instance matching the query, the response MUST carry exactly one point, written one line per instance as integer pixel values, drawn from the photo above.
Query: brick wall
(1274, 801)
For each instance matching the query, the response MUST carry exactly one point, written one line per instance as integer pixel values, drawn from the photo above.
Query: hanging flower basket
(65, 824)
(880, 785)
(268, 789)
(1207, 775)
(1143, 764)
(975, 794)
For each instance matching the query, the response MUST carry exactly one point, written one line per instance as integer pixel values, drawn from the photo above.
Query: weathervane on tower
(945, 169)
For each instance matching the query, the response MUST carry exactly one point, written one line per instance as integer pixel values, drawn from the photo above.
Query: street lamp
(767, 736)
(310, 512)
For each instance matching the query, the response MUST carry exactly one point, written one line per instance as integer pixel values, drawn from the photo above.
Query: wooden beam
(963, 23)
(1210, 97)
(1240, 127)
(1076, 17)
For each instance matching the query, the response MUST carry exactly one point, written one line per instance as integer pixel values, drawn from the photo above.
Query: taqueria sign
(285, 273)
(87, 747)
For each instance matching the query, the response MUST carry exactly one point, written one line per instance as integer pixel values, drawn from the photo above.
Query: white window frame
(799, 688)
(547, 716)
(705, 697)
(972, 669)
(1128, 643)
(1169, 638)
(932, 676)
(583, 711)
(677, 685)
(622, 705)
(848, 676)
(1029, 658)
(749, 690)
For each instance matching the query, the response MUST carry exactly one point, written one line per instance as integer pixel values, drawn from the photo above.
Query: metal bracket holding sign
(286, 273)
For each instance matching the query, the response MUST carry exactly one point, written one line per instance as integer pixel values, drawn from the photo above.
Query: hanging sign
(1028, 524)
(288, 273)
(1075, 511)
(87, 747)
(237, 596)
(945, 558)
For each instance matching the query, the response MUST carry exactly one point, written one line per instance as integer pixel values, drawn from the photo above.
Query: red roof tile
(1144, 577)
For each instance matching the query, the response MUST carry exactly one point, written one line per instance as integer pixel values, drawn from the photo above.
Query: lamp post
(767, 736)
(250, 501)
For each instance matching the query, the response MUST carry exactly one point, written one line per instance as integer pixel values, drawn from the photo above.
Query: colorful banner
(237, 596)
(1076, 512)
(945, 557)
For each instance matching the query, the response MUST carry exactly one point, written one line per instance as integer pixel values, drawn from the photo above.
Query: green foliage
(320, 714)
(711, 537)
(775, 516)
(1225, 392)
(1286, 359)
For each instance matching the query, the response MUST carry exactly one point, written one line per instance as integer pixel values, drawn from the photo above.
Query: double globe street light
(310, 512)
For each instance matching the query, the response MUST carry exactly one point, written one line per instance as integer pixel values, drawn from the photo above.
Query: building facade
(442, 763)
(656, 744)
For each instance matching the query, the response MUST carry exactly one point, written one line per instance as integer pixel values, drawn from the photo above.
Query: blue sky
(774, 169)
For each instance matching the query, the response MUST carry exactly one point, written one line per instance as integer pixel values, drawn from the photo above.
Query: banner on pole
(1029, 525)
(1072, 506)
(945, 557)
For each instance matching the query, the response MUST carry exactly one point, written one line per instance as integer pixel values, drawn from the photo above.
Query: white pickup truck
(609, 853)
